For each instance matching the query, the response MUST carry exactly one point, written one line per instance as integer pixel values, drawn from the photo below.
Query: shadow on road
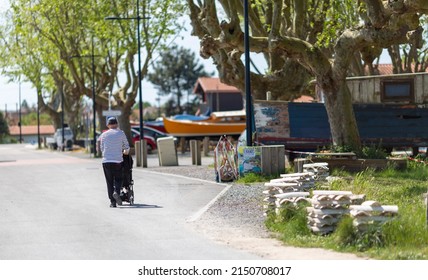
(137, 205)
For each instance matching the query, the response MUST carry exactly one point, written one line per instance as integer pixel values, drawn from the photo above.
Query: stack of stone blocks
(290, 188)
(327, 207)
(319, 169)
(371, 213)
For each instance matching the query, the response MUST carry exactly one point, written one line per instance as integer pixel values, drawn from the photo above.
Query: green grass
(405, 237)
(254, 178)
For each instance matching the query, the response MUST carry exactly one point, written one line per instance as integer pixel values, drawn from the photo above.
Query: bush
(373, 152)
(367, 152)
(291, 222)
(347, 235)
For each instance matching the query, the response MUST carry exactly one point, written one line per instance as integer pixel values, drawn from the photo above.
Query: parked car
(56, 140)
(152, 132)
(151, 136)
(157, 124)
(151, 142)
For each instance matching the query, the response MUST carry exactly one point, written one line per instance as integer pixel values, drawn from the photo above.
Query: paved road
(55, 206)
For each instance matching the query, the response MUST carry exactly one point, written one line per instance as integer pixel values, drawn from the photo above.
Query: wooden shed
(217, 96)
(410, 88)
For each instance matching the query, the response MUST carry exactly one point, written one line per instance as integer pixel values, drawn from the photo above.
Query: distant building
(386, 88)
(304, 98)
(29, 132)
(386, 69)
(380, 69)
(408, 88)
(217, 96)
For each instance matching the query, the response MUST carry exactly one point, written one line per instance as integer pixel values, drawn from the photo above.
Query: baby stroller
(127, 191)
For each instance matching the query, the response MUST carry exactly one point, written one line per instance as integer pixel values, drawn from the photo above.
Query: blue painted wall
(391, 124)
(308, 120)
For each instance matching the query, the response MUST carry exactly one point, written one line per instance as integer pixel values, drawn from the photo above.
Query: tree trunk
(125, 125)
(55, 116)
(343, 125)
(101, 119)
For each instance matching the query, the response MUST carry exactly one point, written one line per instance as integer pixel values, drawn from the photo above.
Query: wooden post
(298, 164)
(206, 146)
(138, 153)
(195, 150)
(183, 144)
(144, 153)
(273, 159)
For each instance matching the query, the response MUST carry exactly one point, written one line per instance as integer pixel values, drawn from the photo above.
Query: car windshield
(149, 132)
(66, 131)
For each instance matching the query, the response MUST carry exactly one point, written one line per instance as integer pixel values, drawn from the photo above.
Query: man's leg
(118, 177)
(107, 167)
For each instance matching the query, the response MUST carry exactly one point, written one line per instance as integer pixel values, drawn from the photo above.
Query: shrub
(253, 178)
(291, 222)
(347, 235)
(373, 152)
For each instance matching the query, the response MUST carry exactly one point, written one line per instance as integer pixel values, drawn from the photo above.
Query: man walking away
(113, 144)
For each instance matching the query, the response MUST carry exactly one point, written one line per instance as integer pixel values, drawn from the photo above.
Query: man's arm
(98, 144)
(125, 145)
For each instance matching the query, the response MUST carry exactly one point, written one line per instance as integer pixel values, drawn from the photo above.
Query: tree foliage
(176, 73)
(53, 43)
(328, 39)
(4, 128)
(31, 119)
(410, 58)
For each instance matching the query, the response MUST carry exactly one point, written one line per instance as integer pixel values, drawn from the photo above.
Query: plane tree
(36, 46)
(324, 37)
(409, 58)
(4, 128)
(65, 35)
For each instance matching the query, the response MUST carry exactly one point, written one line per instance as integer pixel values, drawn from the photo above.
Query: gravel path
(236, 219)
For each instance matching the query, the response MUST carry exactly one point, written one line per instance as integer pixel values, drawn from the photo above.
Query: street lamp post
(94, 112)
(140, 93)
(159, 109)
(247, 77)
(38, 121)
(20, 114)
(62, 118)
(94, 124)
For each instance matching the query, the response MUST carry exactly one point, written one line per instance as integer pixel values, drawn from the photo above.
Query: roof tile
(32, 129)
(209, 84)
